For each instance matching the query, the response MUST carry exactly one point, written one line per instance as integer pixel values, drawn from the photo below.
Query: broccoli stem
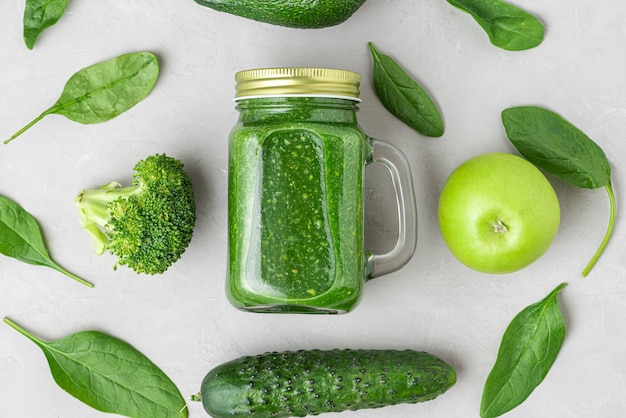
(94, 214)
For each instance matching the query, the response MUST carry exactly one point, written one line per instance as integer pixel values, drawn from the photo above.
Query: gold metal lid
(297, 81)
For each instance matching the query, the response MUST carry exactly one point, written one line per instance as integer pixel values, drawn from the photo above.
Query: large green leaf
(104, 90)
(39, 15)
(549, 141)
(20, 238)
(404, 97)
(528, 349)
(109, 375)
(507, 26)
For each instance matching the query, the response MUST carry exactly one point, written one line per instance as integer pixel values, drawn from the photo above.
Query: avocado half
(301, 14)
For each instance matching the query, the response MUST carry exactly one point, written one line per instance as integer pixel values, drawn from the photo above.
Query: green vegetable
(109, 375)
(102, 91)
(20, 238)
(312, 382)
(147, 225)
(403, 97)
(529, 347)
(39, 15)
(507, 26)
(301, 14)
(554, 144)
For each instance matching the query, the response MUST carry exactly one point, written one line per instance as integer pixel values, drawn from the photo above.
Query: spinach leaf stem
(21, 330)
(25, 128)
(609, 230)
(72, 275)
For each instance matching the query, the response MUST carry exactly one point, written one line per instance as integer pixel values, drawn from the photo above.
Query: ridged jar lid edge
(297, 82)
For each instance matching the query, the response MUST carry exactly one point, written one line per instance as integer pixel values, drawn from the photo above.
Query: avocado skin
(300, 14)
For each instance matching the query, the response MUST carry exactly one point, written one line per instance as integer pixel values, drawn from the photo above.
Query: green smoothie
(296, 206)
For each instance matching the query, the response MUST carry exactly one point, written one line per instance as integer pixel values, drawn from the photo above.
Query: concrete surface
(182, 320)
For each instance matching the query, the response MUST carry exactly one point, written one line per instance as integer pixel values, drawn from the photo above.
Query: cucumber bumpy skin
(301, 14)
(300, 383)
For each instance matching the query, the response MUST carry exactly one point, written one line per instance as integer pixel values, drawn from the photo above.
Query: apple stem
(609, 230)
(500, 228)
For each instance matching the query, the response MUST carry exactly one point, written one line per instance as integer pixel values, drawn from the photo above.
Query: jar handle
(399, 169)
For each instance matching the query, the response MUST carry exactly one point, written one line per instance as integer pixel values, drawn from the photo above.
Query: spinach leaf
(549, 141)
(104, 90)
(528, 349)
(507, 26)
(109, 375)
(554, 144)
(20, 238)
(39, 15)
(403, 97)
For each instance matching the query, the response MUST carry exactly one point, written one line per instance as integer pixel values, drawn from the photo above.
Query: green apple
(498, 213)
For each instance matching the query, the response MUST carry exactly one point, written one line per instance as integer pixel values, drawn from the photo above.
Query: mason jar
(297, 159)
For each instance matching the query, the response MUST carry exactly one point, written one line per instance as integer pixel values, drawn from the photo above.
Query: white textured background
(182, 320)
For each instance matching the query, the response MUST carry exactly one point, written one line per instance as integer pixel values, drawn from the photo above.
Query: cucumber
(300, 383)
(302, 14)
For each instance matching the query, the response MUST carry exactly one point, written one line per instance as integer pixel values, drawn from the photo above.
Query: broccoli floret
(148, 225)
